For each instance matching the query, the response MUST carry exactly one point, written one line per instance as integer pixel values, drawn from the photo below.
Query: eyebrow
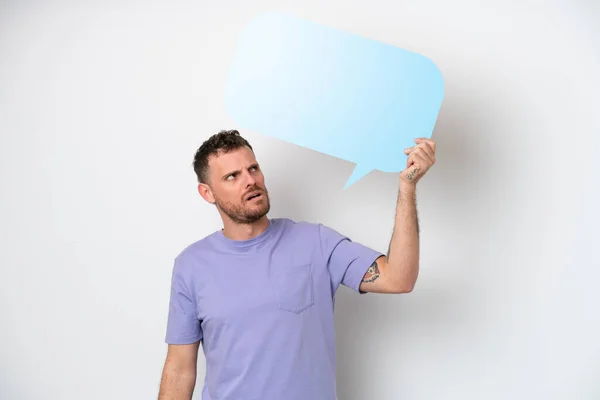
(237, 171)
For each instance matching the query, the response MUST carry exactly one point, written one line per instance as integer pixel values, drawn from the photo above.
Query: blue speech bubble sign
(337, 93)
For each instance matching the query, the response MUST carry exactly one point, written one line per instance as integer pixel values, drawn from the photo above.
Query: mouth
(254, 196)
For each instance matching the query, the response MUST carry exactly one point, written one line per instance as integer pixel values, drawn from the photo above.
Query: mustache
(254, 189)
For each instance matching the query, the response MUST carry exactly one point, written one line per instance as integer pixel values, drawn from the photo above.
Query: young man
(258, 295)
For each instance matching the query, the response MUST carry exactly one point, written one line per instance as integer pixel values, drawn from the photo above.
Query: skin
(179, 373)
(397, 271)
(234, 175)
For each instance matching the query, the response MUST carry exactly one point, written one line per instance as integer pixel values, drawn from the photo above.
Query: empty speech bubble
(337, 93)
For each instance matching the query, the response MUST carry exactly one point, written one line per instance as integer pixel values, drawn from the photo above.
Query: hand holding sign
(421, 157)
(340, 94)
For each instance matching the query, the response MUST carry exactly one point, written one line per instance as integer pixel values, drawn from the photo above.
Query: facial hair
(243, 215)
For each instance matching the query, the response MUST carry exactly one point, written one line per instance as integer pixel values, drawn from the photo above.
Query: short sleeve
(347, 261)
(183, 325)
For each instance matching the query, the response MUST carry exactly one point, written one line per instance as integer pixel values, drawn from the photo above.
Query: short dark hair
(224, 141)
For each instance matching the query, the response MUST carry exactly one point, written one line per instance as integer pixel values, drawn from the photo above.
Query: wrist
(408, 188)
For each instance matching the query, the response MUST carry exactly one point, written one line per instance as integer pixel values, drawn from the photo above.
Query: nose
(250, 179)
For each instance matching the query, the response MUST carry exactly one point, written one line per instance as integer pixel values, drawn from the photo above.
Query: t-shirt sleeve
(347, 261)
(183, 325)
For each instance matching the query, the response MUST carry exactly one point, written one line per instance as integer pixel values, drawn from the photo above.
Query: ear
(206, 193)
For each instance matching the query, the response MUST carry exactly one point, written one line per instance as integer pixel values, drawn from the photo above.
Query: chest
(241, 289)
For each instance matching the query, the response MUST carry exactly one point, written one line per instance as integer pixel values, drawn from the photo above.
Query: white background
(102, 106)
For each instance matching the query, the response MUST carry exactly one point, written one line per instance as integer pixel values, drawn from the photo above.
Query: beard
(247, 212)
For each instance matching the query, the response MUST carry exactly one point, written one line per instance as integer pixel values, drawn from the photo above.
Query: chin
(259, 214)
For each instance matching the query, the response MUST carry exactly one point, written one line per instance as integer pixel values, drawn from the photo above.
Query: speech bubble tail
(359, 172)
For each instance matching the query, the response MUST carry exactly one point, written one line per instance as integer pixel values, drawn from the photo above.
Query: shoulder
(290, 226)
(190, 256)
(315, 232)
(195, 248)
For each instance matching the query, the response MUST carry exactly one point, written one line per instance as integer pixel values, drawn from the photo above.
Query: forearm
(177, 383)
(403, 252)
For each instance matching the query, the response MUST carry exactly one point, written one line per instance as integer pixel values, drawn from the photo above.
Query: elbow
(405, 289)
(406, 285)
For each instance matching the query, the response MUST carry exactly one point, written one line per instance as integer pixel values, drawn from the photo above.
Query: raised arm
(397, 273)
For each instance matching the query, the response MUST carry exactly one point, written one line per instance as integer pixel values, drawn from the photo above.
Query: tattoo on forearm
(411, 175)
(372, 273)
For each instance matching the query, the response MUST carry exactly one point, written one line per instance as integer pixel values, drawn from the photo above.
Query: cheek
(227, 195)
(260, 179)
(233, 197)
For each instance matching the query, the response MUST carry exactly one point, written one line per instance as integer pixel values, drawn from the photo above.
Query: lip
(252, 194)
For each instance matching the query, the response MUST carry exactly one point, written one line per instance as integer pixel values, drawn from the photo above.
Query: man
(258, 295)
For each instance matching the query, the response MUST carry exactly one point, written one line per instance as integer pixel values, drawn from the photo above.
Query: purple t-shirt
(264, 309)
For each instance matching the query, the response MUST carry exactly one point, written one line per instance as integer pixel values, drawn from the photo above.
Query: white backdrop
(103, 105)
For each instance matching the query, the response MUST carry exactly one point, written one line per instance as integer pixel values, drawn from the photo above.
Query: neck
(237, 231)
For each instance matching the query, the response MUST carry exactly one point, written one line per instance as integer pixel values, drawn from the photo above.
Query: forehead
(223, 163)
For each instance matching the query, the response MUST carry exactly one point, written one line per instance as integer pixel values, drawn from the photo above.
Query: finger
(425, 152)
(420, 161)
(431, 142)
(428, 144)
(410, 160)
(426, 147)
(415, 158)
(428, 150)
(415, 170)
